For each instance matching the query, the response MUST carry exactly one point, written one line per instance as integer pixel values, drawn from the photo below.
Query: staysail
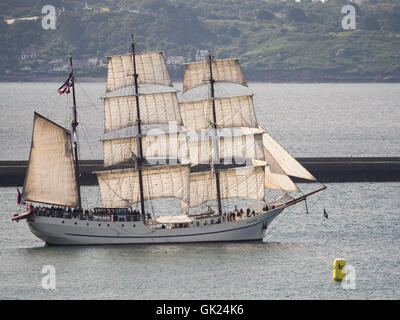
(275, 177)
(286, 161)
(50, 177)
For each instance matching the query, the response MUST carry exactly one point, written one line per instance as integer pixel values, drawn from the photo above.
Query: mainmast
(122, 184)
(139, 135)
(214, 124)
(75, 135)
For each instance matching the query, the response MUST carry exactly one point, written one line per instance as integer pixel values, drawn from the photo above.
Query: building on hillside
(355, 1)
(60, 11)
(28, 54)
(175, 60)
(85, 63)
(81, 5)
(201, 55)
(58, 65)
(26, 69)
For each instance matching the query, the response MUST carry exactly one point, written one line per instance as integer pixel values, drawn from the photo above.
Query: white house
(26, 69)
(58, 65)
(201, 55)
(175, 60)
(28, 55)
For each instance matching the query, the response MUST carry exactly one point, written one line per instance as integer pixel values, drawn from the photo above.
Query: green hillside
(274, 40)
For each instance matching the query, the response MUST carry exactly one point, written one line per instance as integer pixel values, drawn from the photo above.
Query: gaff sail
(50, 177)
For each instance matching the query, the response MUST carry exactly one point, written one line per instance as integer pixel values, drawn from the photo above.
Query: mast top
(210, 55)
(133, 44)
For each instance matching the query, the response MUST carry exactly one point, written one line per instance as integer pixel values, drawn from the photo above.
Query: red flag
(19, 198)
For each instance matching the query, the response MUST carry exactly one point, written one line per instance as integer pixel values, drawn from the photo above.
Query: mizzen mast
(75, 135)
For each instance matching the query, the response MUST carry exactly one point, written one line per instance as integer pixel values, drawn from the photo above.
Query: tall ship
(210, 153)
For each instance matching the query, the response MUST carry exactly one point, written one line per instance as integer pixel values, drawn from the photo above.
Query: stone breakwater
(332, 169)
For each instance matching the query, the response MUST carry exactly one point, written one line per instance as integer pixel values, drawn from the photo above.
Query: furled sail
(288, 164)
(230, 112)
(247, 183)
(120, 188)
(150, 67)
(198, 73)
(235, 145)
(50, 177)
(158, 146)
(156, 108)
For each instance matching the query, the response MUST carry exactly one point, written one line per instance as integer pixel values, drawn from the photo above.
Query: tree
(393, 22)
(264, 15)
(370, 23)
(296, 15)
(314, 18)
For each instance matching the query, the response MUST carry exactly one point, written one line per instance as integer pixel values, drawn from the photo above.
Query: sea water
(309, 120)
(295, 259)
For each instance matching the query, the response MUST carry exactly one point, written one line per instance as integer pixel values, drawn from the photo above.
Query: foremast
(266, 163)
(230, 164)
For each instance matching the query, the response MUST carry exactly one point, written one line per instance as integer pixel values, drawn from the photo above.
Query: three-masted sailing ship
(206, 152)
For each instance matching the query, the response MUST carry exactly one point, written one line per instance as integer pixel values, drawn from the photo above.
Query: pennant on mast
(65, 88)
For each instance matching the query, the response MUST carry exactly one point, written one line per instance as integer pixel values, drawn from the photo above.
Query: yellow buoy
(338, 269)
